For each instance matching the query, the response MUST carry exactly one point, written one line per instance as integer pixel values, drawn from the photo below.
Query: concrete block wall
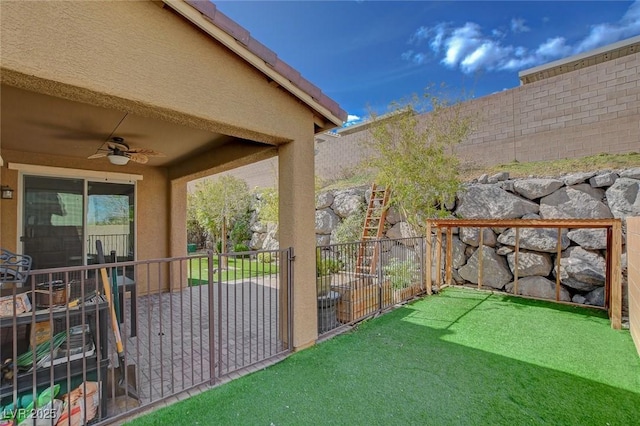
(584, 112)
(633, 268)
(580, 113)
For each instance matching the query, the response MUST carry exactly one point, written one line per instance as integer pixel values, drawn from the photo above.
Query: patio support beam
(178, 230)
(227, 157)
(297, 229)
(616, 276)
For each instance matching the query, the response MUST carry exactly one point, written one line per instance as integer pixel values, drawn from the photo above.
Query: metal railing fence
(349, 291)
(183, 322)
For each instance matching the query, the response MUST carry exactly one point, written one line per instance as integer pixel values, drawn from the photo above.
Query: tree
(412, 152)
(268, 205)
(217, 204)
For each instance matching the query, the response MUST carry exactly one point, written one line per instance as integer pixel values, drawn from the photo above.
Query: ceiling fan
(119, 153)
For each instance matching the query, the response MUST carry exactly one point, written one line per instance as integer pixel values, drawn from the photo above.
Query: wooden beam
(480, 250)
(559, 255)
(524, 223)
(439, 258)
(448, 259)
(515, 262)
(616, 275)
(429, 261)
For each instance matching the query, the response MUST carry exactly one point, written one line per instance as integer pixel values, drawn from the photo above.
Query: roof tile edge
(235, 30)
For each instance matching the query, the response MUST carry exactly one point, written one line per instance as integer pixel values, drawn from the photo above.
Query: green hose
(25, 360)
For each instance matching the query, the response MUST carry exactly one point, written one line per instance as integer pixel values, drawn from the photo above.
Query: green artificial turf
(237, 269)
(460, 357)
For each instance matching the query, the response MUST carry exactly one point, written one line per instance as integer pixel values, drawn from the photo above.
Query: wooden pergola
(613, 275)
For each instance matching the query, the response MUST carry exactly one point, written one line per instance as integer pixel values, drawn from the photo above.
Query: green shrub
(350, 229)
(401, 274)
(265, 257)
(241, 247)
(326, 266)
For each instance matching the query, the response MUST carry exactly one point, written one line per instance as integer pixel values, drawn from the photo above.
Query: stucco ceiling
(38, 123)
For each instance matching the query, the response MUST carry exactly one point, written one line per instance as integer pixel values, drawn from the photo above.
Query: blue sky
(367, 54)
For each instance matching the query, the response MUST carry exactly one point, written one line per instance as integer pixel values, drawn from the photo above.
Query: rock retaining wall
(595, 195)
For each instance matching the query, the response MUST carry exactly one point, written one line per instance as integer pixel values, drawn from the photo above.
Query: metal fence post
(290, 325)
(212, 334)
(378, 248)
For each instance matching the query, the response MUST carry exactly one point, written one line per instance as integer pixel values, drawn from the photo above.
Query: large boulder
(324, 200)
(347, 202)
(630, 173)
(536, 188)
(471, 236)
(536, 239)
(624, 197)
(604, 179)
(540, 287)
(569, 203)
(271, 238)
(326, 221)
(495, 272)
(590, 239)
(596, 193)
(576, 178)
(490, 201)
(458, 258)
(530, 263)
(401, 230)
(581, 269)
(400, 253)
(257, 239)
(323, 240)
(595, 297)
(394, 216)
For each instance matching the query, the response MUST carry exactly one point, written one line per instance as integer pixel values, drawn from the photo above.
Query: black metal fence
(177, 324)
(357, 280)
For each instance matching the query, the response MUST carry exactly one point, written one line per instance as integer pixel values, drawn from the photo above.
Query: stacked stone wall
(594, 195)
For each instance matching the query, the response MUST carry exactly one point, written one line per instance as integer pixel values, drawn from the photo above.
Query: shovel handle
(107, 293)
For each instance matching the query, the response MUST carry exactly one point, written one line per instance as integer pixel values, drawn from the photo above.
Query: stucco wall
(633, 253)
(144, 59)
(152, 213)
(581, 113)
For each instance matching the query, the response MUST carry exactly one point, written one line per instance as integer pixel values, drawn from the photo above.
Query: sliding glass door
(53, 217)
(62, 219)
(110, 213)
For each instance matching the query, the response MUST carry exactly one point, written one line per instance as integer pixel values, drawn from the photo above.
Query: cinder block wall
(633, 268)
(584, 112)
(580, 113)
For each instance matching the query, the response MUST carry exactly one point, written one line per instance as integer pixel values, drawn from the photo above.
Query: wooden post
(439, 257)
(515, 262)
(448, 263)
(559, 256)
(616, 275)
(480, 265)
(428, 260)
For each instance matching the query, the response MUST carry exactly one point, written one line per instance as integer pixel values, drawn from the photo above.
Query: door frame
(86, 175)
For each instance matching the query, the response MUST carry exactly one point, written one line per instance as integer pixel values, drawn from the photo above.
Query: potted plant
(324, 269)
(402, 275)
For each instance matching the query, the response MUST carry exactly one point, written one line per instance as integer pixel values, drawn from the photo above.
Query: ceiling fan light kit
(118, 160)
(119, 153)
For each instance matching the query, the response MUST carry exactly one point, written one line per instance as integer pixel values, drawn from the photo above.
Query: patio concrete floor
(171, 351)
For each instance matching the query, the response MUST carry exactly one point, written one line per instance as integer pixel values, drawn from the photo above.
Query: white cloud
(518, 26)
(469, 49)
(352, 117)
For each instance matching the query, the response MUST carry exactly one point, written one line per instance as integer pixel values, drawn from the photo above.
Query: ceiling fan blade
(147, 152)
(117, 145)
(97, 155)
(137, 157)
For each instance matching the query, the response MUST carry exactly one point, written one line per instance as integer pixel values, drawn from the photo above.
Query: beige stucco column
(297, 229)
(178, 231)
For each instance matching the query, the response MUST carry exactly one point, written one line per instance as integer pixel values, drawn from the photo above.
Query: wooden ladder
(372, 230)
